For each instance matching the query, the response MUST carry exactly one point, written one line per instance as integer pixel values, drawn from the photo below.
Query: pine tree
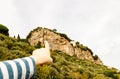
(18, 37)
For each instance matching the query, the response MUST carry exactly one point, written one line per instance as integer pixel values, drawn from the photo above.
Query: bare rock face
(83, 54)
(58, 42)
(86, 54)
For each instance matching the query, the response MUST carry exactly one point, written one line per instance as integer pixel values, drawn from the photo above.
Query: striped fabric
(23, 68)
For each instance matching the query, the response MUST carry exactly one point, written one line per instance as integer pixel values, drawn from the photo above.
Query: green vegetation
(81, 46)
(11, 48)
(95, 57)
(64, 66)
(65, 36)
(18, 37)
(4, 30)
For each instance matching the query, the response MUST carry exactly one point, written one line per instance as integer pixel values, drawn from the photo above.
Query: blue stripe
(19, 68)
(10, 70)
(34, 65)
(27, 68)
(1, 74)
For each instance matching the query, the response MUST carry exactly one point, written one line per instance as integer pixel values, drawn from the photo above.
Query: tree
(4, 30)
(95, 57)
(18, 37)
(54, 30)
(14, 37)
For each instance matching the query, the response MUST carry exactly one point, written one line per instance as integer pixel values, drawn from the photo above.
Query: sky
(94, 23)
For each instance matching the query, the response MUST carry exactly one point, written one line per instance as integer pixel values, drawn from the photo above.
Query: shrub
(95, 57)
(81, 46)
(110, 73)
(4, 30)
(101, 76)
(38, 45)
(65, 36)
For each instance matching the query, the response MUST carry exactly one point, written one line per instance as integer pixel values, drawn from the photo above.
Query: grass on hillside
(64, 66)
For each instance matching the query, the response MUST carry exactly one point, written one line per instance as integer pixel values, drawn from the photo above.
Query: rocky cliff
(60, 42)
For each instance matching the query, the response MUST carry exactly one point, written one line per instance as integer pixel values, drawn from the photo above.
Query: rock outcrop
(61, 42)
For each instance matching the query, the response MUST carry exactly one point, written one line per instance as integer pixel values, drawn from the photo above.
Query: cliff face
(59, 42)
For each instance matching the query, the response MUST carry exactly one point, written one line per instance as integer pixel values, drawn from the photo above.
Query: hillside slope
(63, 67)
(61, 42)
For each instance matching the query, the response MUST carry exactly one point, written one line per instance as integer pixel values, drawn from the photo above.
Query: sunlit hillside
(63, 67)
